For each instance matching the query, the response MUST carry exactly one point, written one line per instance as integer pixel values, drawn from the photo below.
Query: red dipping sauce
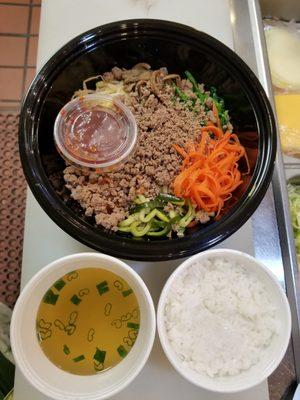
(95, 131)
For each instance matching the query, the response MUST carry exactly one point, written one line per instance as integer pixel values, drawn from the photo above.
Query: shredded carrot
(192, 224)
(210, 171)
(215, 111)
(179, 150)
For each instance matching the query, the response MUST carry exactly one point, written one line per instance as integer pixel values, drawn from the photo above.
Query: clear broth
(88, 321)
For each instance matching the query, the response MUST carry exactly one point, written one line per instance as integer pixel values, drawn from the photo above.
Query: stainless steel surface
(241, 26)
(265, 235)
(291, 161)
(284, 9)
(272, 230)
(286, 236)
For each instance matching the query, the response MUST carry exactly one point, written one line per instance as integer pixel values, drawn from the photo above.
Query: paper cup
(38, 369)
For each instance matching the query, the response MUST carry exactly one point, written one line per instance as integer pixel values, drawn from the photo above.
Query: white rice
(219, 318)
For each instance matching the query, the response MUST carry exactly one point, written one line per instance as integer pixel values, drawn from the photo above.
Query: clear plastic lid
(95, 131)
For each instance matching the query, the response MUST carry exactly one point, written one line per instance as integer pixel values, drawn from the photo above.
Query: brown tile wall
(19, 28)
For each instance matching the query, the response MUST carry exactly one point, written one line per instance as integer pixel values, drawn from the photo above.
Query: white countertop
(44, 241)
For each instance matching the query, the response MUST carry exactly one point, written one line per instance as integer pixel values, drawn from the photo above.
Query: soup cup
(40, 371)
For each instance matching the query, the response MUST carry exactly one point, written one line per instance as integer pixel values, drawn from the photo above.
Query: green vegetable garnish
(102, 284)
(151, 218)
(223, 114)
(100, 355)
(147, 218)
(66, 349)
(75, 300)
(102, 287)
(122, 351)
(59, 284)
(126, 293)
(189, 217)
(154, 213)
(50, 297)
(181, 94)
(140, 199)
(79, 358)
(139, 229)
(127, 222)
(156, 224)
(133, 325)
(202, 96)
(162, 232)
(168, 198)
(149, 205)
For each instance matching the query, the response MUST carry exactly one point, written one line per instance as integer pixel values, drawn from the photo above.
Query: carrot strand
(215, 111)
(209, 171)
(180, 150)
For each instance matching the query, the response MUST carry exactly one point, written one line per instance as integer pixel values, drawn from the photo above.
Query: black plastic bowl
(161, 44)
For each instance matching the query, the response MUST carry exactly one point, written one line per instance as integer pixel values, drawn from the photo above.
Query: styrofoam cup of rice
(224, 321)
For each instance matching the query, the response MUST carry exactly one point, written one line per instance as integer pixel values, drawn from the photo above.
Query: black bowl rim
(126, 247)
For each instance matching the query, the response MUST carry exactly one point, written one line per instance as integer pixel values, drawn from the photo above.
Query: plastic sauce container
(95, 131)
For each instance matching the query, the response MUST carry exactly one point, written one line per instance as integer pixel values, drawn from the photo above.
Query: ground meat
(162, 121)
(203, 216)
